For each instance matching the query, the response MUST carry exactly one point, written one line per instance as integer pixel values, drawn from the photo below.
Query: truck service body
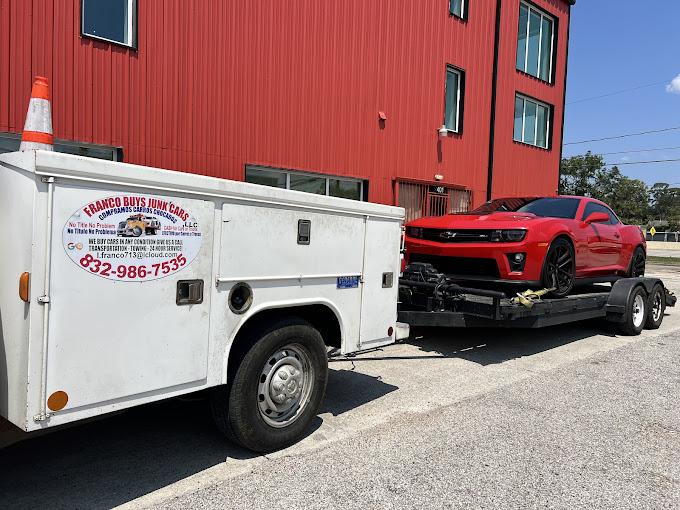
(115, 321)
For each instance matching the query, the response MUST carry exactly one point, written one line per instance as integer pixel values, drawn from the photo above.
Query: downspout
(564, 100)
(494, 83)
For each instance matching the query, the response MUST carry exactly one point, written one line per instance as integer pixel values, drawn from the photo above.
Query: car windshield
(552, 207)
(502, 205)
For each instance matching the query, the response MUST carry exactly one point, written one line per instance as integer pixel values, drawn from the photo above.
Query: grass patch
(664, 261)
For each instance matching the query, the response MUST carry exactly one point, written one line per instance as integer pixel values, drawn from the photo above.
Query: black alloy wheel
(559, 268)
(637, 263)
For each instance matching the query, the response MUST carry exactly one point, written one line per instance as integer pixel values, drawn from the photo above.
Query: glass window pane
(308, 183)
(519, 111)
(546, 57)
(542, 126)
(529, 122)
(451, 110)
(534, 33)
(266, 177)
(344, 189)
(456, 7)
(90, 152)
(9, 144)
(522, 36)
(107, 19)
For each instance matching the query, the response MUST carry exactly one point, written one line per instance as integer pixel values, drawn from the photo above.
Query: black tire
(636, 313)
(559, 268)
(137, 231)
(636, 267)
(245, 409)
(656, 306)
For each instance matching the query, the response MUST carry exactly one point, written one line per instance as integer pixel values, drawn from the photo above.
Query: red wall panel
(215, 85)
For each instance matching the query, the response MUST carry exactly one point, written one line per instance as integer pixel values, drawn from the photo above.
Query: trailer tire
(656, 306)
(636, 312)
(277, 388)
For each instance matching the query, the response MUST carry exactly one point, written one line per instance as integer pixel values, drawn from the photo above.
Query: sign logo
(132, 238)
(448, 234)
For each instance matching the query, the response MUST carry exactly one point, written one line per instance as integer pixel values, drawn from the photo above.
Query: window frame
(363, 190)
(463, 10)
(549, 121)
(116, 151)
(553, 19)
(132, 26)
(460, 97)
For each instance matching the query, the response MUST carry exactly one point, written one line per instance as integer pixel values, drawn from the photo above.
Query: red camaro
(537, 241)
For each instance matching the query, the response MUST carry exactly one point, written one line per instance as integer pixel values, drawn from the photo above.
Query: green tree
(586, 175)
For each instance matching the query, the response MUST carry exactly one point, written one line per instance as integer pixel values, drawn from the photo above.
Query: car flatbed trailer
(426, 298)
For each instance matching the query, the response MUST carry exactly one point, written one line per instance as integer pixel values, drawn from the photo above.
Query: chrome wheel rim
(560, 268)
(285, 385)
(638, 311)
(656, 307)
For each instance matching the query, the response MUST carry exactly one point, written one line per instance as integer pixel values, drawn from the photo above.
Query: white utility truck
(240, 289)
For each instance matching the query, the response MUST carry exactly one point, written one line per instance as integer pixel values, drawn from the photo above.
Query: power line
(641, 150)
(622, 136)
(619, 92)
(641, 162)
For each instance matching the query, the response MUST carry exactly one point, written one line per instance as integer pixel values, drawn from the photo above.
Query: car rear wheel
(559, 268)
(637, 263)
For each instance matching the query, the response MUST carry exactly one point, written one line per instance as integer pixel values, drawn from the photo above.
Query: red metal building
(350, 97)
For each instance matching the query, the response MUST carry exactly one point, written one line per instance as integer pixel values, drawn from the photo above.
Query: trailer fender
(617, 303)
(293, 307)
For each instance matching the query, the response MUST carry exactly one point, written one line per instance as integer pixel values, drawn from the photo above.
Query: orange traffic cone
(38, 127)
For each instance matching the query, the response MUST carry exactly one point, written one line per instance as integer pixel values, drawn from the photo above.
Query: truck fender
(617, 302)
(277, 306)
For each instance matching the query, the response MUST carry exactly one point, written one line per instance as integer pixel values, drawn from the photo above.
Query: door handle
(617, 235)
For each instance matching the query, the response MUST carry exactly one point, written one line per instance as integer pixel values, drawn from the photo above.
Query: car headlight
(414, 232)
(508, 236)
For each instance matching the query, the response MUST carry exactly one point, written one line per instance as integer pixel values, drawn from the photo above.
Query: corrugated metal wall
(216, 84)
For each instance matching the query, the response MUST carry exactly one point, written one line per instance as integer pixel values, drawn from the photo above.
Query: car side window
(591, 207)
(613, 219)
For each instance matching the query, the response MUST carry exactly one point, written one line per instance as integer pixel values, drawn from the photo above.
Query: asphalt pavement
(566, 417)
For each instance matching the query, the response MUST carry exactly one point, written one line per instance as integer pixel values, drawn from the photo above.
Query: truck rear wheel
(636, 313)
(277, 388)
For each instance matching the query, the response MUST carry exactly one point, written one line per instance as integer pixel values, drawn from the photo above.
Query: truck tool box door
(130, 294)
(381, 282)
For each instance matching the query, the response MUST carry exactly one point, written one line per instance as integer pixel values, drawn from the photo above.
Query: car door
(604, 241)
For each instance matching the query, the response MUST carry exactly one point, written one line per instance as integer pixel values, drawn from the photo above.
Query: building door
(426, 199)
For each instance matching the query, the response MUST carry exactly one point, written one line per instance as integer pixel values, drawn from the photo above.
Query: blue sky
(616, 46)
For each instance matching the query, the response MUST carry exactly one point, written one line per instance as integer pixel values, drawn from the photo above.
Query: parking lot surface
(567, 417)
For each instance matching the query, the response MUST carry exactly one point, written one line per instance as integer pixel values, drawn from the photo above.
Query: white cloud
(625, 158)
(674, 86)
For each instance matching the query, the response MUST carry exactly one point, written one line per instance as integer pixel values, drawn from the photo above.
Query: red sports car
(536, 241)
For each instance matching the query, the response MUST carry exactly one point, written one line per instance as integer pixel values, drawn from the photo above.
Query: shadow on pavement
(111, 461)
(348, 390)
(108, 462)
(487, 346)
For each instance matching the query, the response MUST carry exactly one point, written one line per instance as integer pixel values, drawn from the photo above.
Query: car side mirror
(597, 217)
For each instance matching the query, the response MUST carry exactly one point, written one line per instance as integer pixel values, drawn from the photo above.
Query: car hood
(479, 221)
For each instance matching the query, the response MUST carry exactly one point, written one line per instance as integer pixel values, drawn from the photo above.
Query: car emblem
(448, 234)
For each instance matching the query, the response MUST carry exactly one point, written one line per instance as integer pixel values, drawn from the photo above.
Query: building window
(453, 109)
(354, 189)
(532, 122)
(535, 42)
(9, 142)
(458, 8)
(114, 21)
